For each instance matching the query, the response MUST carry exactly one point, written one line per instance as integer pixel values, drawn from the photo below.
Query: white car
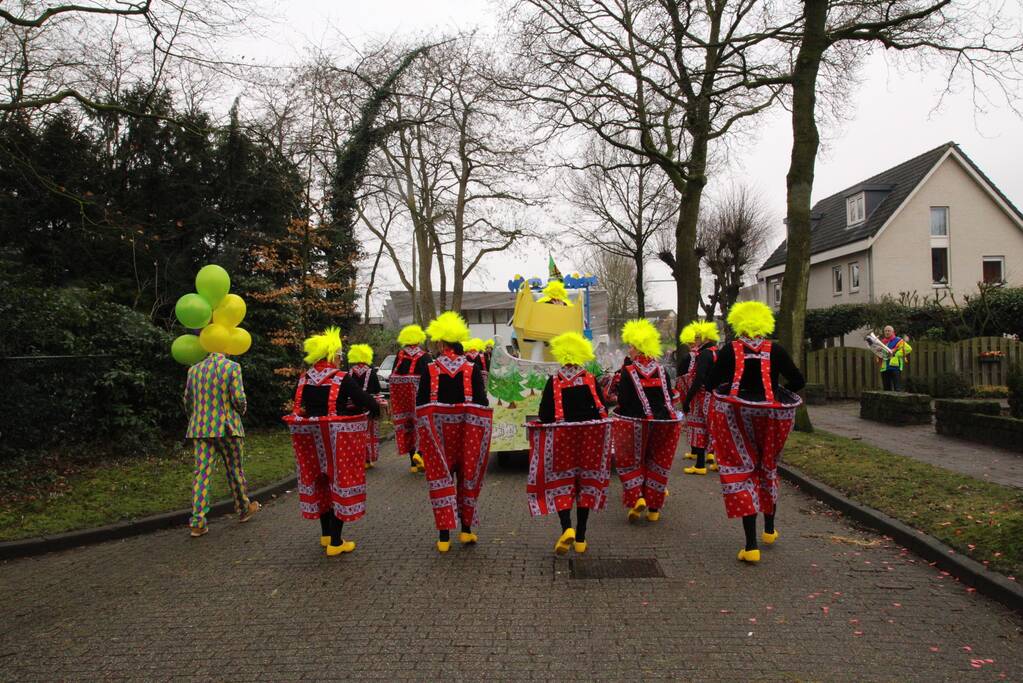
(384, 373)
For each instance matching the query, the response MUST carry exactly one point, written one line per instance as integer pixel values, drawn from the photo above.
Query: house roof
(829, 217)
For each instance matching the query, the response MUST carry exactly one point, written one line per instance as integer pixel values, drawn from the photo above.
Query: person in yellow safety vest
(892, 367)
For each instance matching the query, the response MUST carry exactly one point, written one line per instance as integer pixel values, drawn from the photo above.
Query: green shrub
(1015, 382)
(950, 385)
(917, 385)
(990, 391)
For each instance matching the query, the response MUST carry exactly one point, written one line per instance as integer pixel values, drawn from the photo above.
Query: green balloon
(213, 283)
(187, 350)
(193, 311)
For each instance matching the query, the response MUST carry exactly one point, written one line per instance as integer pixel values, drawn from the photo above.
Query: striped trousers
(230, 449)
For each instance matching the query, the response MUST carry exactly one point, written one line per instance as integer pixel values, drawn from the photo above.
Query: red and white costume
(644, 447)
(403, 397)
(698, 417)
(749, 434)
(362, 374)
(329, 451)
(454, 440)
(569, 462)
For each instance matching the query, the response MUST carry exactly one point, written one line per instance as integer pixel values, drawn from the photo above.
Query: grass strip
(979, 519)
(127, 488)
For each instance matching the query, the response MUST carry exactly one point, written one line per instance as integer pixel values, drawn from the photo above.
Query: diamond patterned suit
(215, 401)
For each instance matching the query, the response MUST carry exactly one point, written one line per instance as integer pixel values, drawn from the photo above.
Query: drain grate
(644, 568)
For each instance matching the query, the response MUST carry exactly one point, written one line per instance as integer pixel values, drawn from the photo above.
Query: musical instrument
(878, 347)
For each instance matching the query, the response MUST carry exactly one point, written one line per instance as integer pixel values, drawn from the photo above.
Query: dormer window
(855, 209)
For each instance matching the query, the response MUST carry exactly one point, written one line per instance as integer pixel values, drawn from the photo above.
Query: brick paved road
(260, 601)
(923, 443)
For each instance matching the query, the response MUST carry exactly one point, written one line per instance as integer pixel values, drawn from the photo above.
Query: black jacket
(704, 364)
(351, 399)
(450, 389)
(405, 364)
(577, 403)
(629, 404)
(751, 386)
(373, 387)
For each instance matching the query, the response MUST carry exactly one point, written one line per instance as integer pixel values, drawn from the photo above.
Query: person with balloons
(214, 391)
(361, 370)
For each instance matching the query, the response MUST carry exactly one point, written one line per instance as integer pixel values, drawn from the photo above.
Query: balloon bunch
(211, 302)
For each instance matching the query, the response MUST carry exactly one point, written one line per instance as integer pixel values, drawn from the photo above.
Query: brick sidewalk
(922, 443)
(260, 601)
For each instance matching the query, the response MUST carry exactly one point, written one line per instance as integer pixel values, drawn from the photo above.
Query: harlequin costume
(404, 383)
(696, 399)
(751, 419)
(645, 427)
(360, 367)
(215, 402)
(570, 444)
(453, 423)
(329, 426)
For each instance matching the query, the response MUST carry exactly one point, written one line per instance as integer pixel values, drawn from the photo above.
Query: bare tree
(615, 273)
(732, 238)
(625, 201)
(661, 79)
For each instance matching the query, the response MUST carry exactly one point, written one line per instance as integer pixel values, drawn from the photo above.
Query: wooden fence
(847, 371)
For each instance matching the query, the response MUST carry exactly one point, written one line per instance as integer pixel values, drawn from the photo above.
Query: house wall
(978, 227)
(821, 292)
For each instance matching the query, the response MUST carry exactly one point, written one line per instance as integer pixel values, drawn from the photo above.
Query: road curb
(27, 547)
(968, 571)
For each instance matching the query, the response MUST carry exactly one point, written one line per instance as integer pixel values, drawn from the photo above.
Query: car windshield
(387, 363)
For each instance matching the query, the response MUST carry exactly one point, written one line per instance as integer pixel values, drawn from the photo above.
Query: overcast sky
(892, 118)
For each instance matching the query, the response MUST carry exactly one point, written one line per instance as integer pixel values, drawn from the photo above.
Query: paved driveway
(260, 602)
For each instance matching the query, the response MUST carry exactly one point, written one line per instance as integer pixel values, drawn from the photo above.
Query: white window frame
(930, 225)
(836, 279)
(854, 282)
(948, 266)
(776, 289)
(992, 259)
(855, 209)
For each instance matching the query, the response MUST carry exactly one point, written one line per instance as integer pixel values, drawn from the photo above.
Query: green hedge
(979, 421)
(895, 408)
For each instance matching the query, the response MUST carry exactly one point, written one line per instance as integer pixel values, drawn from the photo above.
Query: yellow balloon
(230, 312)
(215, 337)
(240, 341)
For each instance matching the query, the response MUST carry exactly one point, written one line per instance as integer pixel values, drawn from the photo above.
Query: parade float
(519, 367)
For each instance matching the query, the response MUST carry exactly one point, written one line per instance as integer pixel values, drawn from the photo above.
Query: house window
(777, 292)
(939, 265)
(939, 221)
(994, 270)
(836, 280)
(854, 277)
(854, 209)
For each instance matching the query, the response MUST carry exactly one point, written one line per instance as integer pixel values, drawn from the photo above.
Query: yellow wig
(571, 348)
(474, 344)
(324, 346)
(360, 353)
(411, 335)
(688, 334)
(489, 344)
(707, 331)
(642, 336)
(448, 327)
(554, 291)
(751, 319)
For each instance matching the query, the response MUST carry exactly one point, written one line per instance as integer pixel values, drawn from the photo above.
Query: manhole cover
(616, 569)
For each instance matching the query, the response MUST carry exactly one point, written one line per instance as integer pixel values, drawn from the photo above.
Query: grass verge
(120, 488)
(979, 519)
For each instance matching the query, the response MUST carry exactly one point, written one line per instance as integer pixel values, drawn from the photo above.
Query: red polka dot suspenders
(646, 375)
(581, 378)
(317, 376)
(466, 371)
(753, 349)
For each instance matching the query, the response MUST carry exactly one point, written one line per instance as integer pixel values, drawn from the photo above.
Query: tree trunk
(427, 306)
(805, 143)
(687, 264)
(640, 295)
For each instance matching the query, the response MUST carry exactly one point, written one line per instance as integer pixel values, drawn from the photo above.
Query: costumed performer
(360, 368)
(330, 441)
(751, 418)
(570, 445)
(646, 427)
(454, 423)
(215, 402)
(555, 293)
(696, 402)
(404, 383)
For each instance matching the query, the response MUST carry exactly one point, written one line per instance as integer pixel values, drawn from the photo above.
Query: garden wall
(895, 408)
(979, 421)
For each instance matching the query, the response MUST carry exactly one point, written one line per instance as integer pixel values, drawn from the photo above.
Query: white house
(932, 225)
